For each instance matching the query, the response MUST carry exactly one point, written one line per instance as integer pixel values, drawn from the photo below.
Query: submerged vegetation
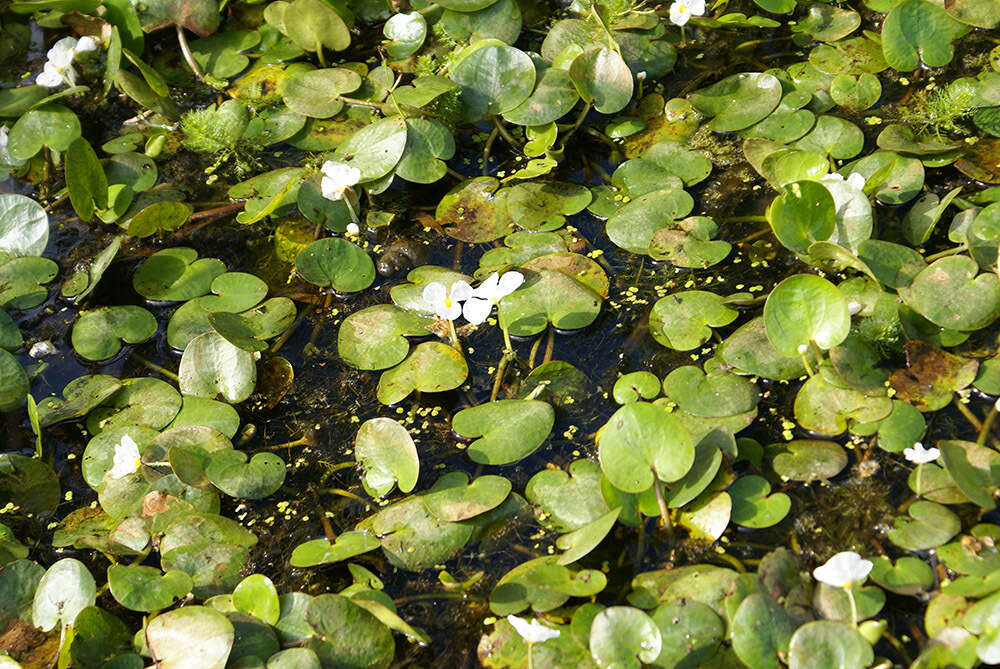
(358, 333)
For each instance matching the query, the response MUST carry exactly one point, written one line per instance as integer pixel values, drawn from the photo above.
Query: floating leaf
(805, 309)
(431, 367)
(190, 636)
(916, 31)
(375, 337)
(176, 274)
(738, 101)
(508, 430)
(494, 79)
(453, 498)
(344, 547)
(683, 321)
(231, 473)
(570, 499)
(623, 636)
(211, 366)
(387, 457)
(337, 263)
(142, 588)
(641, 444)
(66, 589)
(754, 506)
(98, 334)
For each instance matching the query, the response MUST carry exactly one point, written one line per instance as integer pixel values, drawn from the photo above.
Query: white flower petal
(50, 77)
(697, 7)
(509, 282)
(448, 310)
(487, 290)
(460, 291)
(353, 229)
(434, 293)
(62, 52)
(477, 310)
(85, 44)
(843, 569)
(331, 189)
(533, 632)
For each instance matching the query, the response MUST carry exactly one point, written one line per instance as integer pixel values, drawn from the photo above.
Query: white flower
(490, 292)
(996, 405)
(641, 76)
(853, 306)
(920, 455)
(533, 632)
(682, 10)
(126, 458)
(843, 569)
(803, 349)
(337, 178)
(3, 137)
(353, 228)
(58, 68)
(447, 304)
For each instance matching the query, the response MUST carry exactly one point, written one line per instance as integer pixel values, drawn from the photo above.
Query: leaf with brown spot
(931, 376)
(470, 213)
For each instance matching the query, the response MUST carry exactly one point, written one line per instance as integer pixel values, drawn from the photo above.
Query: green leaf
(230, 472)
(508, 430)
(257, 596)
(316, 93)
(142, 588)
(805, 309)
(642, 443)
(375, 149)
(683, 321)
(211, 365)
(79, 396)
(839, 642)
(804, 213)
(320, 551)
(623, 636)
(761, 631)
(24, 226)
(431, 367)
(85, 179)
(190, 636)
(602, 78)
(176, 274)
(66, 589)
(387, 456)
(494, 79)
(916, 31)
(348, 635)
(336, 263)
(98, 334)
(953, 294)
(738, 101)
(375, 337)
(548, 296)
(569, 499)
(754, 506)
(199, 16)
(51, 125)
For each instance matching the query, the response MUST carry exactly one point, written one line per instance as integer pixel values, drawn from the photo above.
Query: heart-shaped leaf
(142, 588)
(189, 635)
(387, 456)
(375, 337)
(211, 366)
(66, 589)
(431, 367)
(176, 274)
(754, 506)
(453, 498)
(682, 321)
(805, 309)
(344, 547)
(642, 443)
(230, 472)
(508, 430)
(98, 334)
(336, 263)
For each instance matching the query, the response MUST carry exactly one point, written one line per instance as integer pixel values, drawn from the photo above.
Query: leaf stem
(662, 503)
(156, 368)
(946, 253)
(488, 147)
(505, 133)
(576, 124)
(984, 431)
(186, 52)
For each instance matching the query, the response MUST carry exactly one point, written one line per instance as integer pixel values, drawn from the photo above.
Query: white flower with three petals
(447, 304)
(843, 570)
(919, 455)
(682, 10)
(533, 632)
(126, 459)
(337, 178)
(489, 293)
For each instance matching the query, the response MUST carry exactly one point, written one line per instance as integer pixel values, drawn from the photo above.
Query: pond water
(365, 333)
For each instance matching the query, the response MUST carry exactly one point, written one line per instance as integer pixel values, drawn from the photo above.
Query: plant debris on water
(603, 333)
